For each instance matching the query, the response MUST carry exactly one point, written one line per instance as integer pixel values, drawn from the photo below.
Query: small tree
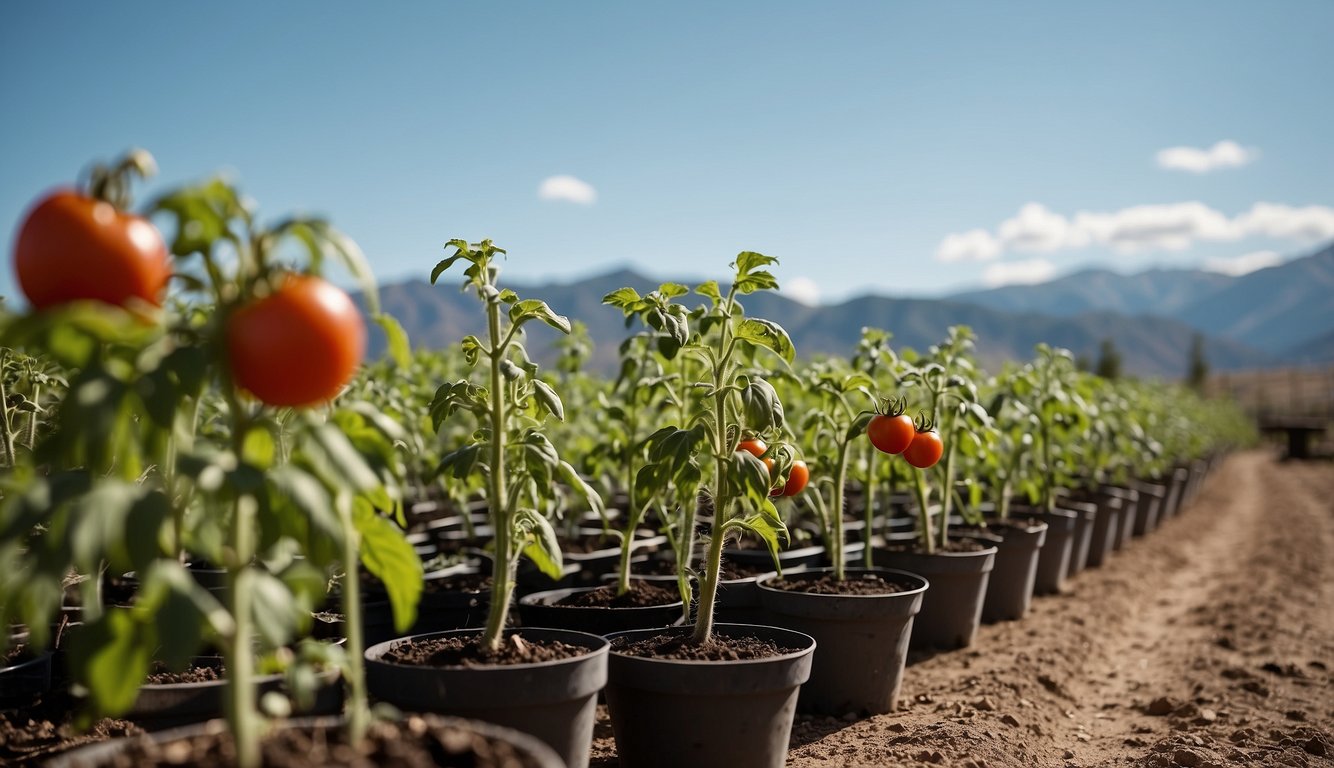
(1197, 373)
(1109, 360)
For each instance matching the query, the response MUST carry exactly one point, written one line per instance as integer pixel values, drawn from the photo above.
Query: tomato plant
(77, 245)
(511, 451)
(733, 404)
(297, 346)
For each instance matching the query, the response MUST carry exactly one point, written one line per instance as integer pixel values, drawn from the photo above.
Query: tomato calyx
(892, 406)
(923, 424)
(111, 183)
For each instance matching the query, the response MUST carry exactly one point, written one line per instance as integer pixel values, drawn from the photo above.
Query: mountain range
(1280, 315)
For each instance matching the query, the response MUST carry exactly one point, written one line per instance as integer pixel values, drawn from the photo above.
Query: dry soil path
(1207, 643)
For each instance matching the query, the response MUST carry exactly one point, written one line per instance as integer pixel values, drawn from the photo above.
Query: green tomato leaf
(400, 350)
(388, 555)
(767, 334)
(541, 545)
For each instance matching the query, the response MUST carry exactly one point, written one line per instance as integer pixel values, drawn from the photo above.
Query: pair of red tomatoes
(896, 433)
(797, 477)
(296, 346)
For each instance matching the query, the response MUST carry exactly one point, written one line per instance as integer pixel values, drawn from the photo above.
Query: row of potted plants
(201, 480)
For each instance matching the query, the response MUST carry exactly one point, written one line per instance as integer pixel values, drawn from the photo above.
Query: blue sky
(902, 148)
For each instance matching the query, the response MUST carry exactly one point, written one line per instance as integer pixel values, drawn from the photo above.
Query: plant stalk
(502, 575)
(358, 706)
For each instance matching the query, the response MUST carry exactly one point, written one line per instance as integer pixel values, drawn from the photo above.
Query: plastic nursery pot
(540, 609)
(555, 701)
(1133, 521)
(729, 714)
(861, 641)
(110, 753)
(739, 599)
(1086, 518)
(1106, 528)
(952, 608)
(1153, 498)
(605, 554)
(170, 705)
(1010, 589)
(1057, 550)
(1176, 492)
(24, 679)
(440, 608)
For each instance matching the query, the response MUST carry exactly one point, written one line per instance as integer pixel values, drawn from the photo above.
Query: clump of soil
(196, 673)
(14, 655)
(680, 648)
(31, 736)
(862, 584)
(641, 595)
(466, 652)
(462, 582)
(587, 544)
(414, 743)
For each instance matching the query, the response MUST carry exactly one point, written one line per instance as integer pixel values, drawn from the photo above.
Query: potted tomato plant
(731, 687)
(861, 618)
(958, 568)
(540, 681)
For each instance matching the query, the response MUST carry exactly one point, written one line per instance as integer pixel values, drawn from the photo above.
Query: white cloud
(1244, 264)
(1172, 227)
(1019, 272)
(802, 290)
(1037, 228)
(568, 189)
(1224, 154)
(973, 245)
(1309, 224)
(1167, 227)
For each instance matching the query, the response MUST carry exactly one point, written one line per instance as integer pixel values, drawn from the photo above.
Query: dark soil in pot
(32, 735)
(543, 682)
(861, 625)
(738, 597)
(1010, 589)
(729, 704)
(952, 609)
(600, 610)
(169, 699)
(415, 742)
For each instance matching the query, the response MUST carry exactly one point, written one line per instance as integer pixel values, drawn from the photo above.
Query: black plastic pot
(1153, 498)
(439, 609)
(540, 610)
(861, 640)
(107, 752)
(1010, 589)
(172, 705)
(1086, 518)
(25, 680)
(952, 608)
(702, 714)
(738, 600)
(1106, 529)
(556, 701)
(1057, 550)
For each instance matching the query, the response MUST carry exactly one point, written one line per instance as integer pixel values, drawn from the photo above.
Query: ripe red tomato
(925, 450)
(754, 446)
(73, 247)
(891, 434)
(797, 478)
(297, 346)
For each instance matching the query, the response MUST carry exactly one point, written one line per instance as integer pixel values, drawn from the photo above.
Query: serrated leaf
(767, 334)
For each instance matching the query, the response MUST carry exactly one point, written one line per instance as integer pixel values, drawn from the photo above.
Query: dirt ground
(1207, 643)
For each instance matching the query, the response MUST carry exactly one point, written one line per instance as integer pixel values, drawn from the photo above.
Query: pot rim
(531, 599)
(736, 629)
(921, 588)
(600, 646)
